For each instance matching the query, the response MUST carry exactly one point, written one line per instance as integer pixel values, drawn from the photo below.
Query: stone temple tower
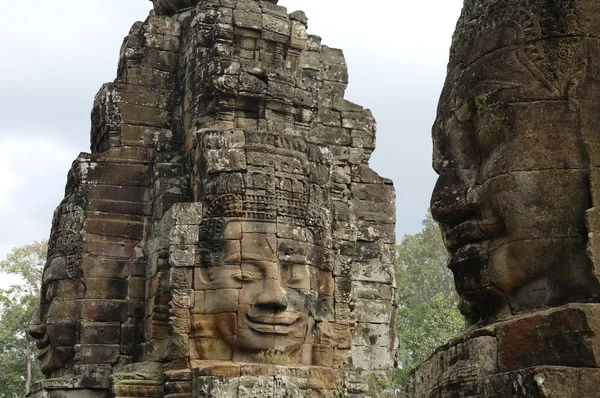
(226, 236)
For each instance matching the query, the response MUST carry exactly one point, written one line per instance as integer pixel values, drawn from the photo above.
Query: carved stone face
(261, 290)
(274, 299)
(513, 187)
(55, 325)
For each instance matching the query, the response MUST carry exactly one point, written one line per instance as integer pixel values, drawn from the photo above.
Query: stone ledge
(170, 7)
(506, 357)
(545, 381)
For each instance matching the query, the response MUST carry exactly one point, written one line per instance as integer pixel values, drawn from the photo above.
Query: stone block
(97, 288)
(181, 278)
(371, 358)
(69, 392)
(544, 381)
(220, 301)
(136, 288)
(325, 309)
(377, 212)
(563, 337)
(67, 310)
(374, 311)
(249, 20)
(370, 232)
(372, 334)
(108, 246)
(97, 353)
(63, 332)
(100, 333)
(67, 289)
(98, 267)
(323, 379)
(455, 367)
(275, 24)
(97, 310)
(182, 235)
(223, 160)
(182, 256)
(182, 298)
(187, 213)
(298, 36)
(372, 290)
(212, 349)
(372, 272)
(121, 207)
(180, 322)
(322, 281)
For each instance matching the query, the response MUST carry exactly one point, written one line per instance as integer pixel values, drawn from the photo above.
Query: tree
(18, 304)
(428, 314)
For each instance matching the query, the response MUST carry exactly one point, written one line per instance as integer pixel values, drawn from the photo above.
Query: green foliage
(428, 315)
(273, 356)
(18, 304)
(383, 383)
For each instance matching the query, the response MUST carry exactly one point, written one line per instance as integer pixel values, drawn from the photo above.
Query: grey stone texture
(226, 235)
(516, 148)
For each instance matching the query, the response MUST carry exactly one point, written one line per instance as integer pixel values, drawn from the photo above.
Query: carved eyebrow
(233, 259)
(244, 276)
(296, 279)
(255, 258)
(300, 259)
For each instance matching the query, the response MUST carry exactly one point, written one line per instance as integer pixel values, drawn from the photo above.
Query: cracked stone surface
(516, 148)
(226, 233)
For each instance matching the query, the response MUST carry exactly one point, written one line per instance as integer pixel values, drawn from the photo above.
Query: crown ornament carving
(297, 210)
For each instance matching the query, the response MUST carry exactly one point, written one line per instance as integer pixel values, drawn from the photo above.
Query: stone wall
(226, 237)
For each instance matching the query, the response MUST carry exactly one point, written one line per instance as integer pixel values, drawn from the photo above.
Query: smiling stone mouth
(42, 343)
(472, 231)
(42, 351)
(471, 253)
(277, 324)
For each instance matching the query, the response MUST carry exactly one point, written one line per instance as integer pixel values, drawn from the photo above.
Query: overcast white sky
(56, 54)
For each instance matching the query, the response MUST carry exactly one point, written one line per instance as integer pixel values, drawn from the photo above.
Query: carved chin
(49, 361)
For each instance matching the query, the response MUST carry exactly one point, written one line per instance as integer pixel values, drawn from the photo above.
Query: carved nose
(37, 331)
(273, 296)
(449, 201)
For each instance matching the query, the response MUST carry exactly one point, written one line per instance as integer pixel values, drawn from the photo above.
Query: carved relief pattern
(233, 232)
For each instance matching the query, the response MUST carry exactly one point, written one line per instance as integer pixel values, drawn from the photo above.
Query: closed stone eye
(244, 276)
(296, 280)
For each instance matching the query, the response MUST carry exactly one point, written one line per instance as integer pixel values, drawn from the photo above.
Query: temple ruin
(226, 236)
(517, 147)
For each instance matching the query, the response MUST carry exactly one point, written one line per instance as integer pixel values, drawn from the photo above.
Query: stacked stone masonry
(516, 146)
(226, 237)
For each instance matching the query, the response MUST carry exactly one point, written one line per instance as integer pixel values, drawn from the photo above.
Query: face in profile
(55, 325)
(513, 185)
(258, 288)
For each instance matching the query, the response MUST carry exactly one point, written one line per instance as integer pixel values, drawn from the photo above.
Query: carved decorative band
(267, 207)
